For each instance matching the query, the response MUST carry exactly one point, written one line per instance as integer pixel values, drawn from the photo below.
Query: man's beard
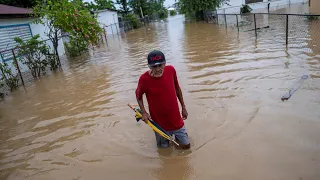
(155, 74)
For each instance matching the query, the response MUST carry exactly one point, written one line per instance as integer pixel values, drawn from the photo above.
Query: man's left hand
(184, 113)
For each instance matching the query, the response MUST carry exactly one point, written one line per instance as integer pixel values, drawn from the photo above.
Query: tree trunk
(55, 45)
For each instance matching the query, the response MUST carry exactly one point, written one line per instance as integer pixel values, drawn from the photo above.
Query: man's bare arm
(145, 115)
(180, 96)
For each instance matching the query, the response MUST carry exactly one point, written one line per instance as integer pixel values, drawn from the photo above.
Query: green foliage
(124, 6)
(71, 17)
(76, 46)
(19, 3)
(33, 54)
(149, 7)
(311, 18)
(52, 60)
(7, 77)
(134, 21)
(245, 9)
(163, 13)
(100, 4)
(195, 8)
(173, 13)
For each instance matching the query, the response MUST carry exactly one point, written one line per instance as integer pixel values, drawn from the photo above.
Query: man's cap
(156, 57)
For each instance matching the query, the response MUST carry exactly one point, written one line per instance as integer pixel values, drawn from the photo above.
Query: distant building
(108, 19)
(233, 6)
(17, 22)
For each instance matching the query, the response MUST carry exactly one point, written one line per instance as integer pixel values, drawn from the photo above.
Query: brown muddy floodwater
(76, 125)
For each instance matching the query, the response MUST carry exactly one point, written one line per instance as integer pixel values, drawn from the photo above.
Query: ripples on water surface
(75, 124)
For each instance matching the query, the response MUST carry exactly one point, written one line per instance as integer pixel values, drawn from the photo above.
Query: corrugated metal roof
(7, 10)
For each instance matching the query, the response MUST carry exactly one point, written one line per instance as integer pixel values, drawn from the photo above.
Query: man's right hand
(145, 117)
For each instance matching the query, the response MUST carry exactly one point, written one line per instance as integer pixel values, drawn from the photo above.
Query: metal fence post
(17, 66)
(111, 29)
(287, 29)
(117, 28)
(237, 22)
(225, 19)
(255, 24)
(218, 19)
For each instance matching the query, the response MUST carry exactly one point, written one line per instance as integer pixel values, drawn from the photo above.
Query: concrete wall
(106, 18)
(235, 5)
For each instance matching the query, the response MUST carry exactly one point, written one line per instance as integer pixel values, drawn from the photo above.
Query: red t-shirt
(162, 99)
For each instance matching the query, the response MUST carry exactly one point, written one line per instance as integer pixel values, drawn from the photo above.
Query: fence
(289, 29)
(23, 73)
(125, 26)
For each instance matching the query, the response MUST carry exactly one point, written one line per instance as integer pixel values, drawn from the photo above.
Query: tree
(149, 7)
(197, 8)
(71, 17)
(100, 4)
(137, 4)
(124, 6)
(19, 3)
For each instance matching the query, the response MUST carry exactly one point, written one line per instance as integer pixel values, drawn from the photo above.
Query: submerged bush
(133, 20)
(173, 13)
(33, 54)
(245, 9)
(76, 46)
(8, 78)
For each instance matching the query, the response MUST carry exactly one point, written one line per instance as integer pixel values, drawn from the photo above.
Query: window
(7, 35)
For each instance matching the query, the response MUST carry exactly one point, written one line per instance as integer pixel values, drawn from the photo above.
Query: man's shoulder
(170, 67)
(144, 75)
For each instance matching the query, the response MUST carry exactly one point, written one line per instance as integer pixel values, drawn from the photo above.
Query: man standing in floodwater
(161, 87)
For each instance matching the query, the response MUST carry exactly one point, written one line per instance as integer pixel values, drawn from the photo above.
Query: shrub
(311, 18)
(134, 21)
(7, 77)
(33, 54)
(173, 13)
(163, 13)
(245, 9)
(76, 46)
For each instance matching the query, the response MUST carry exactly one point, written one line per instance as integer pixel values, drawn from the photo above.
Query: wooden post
(287, 29)
(17, 66)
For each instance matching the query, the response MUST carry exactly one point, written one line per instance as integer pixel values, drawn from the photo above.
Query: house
(108, 19)
(233, 6)
(17, 22)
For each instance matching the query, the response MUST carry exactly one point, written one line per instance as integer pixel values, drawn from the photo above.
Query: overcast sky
(166, 3)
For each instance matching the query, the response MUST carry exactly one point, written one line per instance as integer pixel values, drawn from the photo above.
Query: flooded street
(76, 125)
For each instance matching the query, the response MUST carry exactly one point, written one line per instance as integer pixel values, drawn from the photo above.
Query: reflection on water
(75, 124)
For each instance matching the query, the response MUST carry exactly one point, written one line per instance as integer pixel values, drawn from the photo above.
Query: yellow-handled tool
(153, 125)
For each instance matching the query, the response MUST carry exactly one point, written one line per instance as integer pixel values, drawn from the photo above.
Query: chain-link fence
(125, 26)
(15, 72)
(293, 30)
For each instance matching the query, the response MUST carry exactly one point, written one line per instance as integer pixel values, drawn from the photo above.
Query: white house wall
(108, 19)
(233, 6)
(35, 29)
